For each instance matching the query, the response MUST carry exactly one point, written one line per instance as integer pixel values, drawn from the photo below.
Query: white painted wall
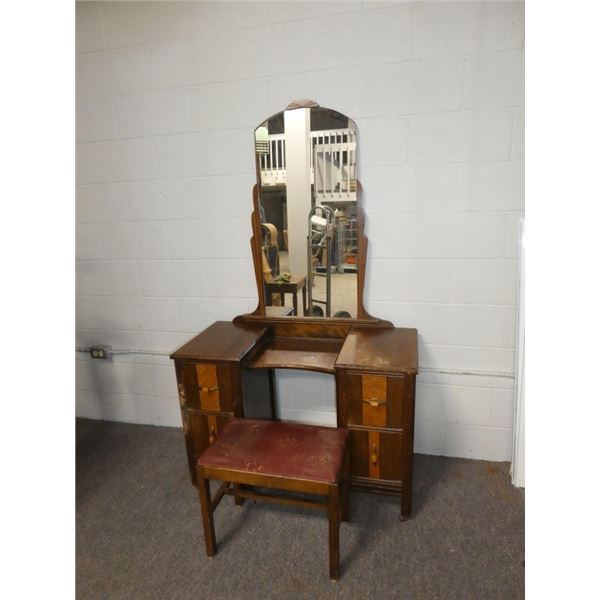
(167, 97)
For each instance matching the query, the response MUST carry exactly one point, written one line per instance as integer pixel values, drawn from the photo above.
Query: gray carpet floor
(139, 533)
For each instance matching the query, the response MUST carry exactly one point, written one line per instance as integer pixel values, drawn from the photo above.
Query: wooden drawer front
(376, 454)
(374, 400)
(204, 429)
(210, 387)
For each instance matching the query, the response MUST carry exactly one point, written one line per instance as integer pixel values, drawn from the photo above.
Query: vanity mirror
(308, 244)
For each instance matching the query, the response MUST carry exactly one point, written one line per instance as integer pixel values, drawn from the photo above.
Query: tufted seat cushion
(280, 449)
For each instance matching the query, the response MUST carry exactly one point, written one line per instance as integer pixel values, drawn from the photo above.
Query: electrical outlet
(102, 352)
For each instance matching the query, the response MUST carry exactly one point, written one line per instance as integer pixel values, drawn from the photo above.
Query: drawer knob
(374, 454)
(211, 434)
(212, 388)
(375, 402)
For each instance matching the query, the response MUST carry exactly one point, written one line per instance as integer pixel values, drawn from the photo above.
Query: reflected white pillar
(297, 150)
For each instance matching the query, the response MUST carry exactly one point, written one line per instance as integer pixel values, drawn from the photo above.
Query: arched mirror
(308, 245)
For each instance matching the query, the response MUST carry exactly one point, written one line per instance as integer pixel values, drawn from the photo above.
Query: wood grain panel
(374, 454)
(297, 353)
(359, 453)
(319, 329)
(391, 456)
(373, 400)
(213, 428)
(200, 430)
(374, 390)
(190, 382)
(383, 446)
(407, 449)
(230, 393)
(374, 416)
(380, 350)
(374, 387)
(208, 382)
(199, 433)
(352, 395)
(396, 401)
(222, 341)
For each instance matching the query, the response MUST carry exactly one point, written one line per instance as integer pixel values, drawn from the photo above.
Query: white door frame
(518, 462)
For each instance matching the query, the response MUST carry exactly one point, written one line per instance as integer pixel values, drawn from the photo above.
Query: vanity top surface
(378, 349)
(375, 349)
(298, 353)
(222, 341)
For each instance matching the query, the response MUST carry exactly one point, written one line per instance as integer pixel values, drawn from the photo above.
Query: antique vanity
(306, 159)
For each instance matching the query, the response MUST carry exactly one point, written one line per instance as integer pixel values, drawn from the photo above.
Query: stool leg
(334, 532)
(207, 513)
(346, 488)
(238, 500)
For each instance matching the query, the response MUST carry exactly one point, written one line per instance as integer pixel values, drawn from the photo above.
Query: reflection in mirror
(306, 161)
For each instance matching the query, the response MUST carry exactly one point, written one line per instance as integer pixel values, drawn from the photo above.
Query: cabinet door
(374, 400)
(376, 454)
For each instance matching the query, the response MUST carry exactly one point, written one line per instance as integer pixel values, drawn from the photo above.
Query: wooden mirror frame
(259, 314)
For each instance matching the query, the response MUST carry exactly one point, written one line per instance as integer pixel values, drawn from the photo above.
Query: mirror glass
(306, 164)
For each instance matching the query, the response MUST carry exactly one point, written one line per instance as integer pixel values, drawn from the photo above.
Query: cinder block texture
(168, 94)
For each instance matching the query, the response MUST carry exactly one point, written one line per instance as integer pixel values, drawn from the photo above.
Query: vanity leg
(295, 302)
(405, 503)
(207, 513)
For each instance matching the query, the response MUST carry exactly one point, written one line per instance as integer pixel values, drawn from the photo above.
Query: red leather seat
(276, 448)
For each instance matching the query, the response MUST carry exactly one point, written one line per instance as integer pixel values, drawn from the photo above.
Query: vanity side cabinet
(375, 376)
(209, 382)
(378, 410)
(209, 395)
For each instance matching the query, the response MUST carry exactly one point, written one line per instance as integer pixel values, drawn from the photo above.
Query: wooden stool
(284, 456)
(295, 284)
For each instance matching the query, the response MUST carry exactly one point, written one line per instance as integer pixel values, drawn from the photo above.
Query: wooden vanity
(228, 369)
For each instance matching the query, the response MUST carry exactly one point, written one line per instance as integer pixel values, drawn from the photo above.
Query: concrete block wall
(167, 97)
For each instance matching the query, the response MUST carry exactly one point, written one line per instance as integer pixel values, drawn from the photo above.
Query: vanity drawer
(210, 387)
(374, 400)
(203, 430)
(376, 454)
